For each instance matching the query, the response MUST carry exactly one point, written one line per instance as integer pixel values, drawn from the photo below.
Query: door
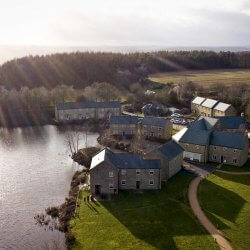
(221, 159)
(97, 189)
(138, 184)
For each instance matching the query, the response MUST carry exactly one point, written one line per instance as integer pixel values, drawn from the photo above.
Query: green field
(204, 77)
(152, 220)
(226, 201)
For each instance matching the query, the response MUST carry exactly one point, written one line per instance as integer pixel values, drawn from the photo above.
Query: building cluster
(77, 111)
(111, 171)
(217, 135)
(220, 140)
(211, 108)
(147, 127)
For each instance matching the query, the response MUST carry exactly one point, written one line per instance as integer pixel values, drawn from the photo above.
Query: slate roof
(221, 106)
(229, 140)
(124, 160)
(198, 100)
(154, 121)
(196, 136)
(170, 150)
(124, 119)
(209, 103)
(87, 104)
(205, 123)
(231, 122)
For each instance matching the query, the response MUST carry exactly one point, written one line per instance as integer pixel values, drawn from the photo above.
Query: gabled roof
(123, 160)
(221, 106)
(229, 140)
(205, 123)
(231, 122)
(196, 136)
(198, 100)
(124, 119)
(170, 150)
(154, 121)
(209, 103)
(87, 104)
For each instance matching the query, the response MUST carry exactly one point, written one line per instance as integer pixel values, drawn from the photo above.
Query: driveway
(200, 169)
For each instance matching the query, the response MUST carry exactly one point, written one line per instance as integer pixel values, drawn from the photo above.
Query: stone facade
(195, 152)
(160, 132)
(123, 129)
(101, 177)
(230, 156)
(229, 112)
(88, 110)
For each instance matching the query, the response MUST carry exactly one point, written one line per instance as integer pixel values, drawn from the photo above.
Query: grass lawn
(204, 77)
(245, 168)
(226, 201)
(152, 220)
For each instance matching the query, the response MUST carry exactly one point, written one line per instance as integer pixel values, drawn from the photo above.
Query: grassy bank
(245, 168)
(152, 220)
(226, 201)
(205, 77)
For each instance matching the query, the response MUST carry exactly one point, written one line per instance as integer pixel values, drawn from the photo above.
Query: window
(123, 182)
(151, 172)
(111, 174)
(138, 171)
(234, 160)
(224, 149)
(197, 146)
(235, 150)
(111, 186)
(215, 147)
(124, 171)
(214, 157)
(159, 129)
(151, 182)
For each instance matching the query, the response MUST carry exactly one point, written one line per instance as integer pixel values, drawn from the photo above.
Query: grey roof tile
(170, 150)
(154, 121)
(231, 122)
(229, 140)
(123, 119)
(209, 103)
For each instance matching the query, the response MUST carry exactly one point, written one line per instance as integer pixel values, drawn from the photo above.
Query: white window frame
(197, 146)
(235, 160)
(214, 157)
(123, 182)
(235, 150)
(215, 147)
(111, 174)
(151, 172)
(138, 171)
(111, 186)
(224, 149)
(151, 182)
(124, 172)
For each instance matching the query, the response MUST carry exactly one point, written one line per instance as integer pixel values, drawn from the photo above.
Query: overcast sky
(125, 22)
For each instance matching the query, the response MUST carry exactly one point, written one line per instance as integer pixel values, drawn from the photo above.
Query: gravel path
(194, 203)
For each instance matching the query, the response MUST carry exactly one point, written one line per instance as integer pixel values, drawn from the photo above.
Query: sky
(125, 22)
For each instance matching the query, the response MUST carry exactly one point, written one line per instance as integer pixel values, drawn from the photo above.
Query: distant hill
(81, 69)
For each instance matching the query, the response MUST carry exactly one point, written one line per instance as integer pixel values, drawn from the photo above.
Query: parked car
(176, 115)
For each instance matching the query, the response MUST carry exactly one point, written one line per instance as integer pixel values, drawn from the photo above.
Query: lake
(35, 173)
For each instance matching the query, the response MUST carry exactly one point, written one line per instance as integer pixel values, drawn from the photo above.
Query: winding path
(194, 203)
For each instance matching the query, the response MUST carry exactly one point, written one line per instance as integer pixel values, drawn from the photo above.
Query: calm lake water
(35, 173)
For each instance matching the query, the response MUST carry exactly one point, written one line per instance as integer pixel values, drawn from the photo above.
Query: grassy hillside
(205, 77)
(226, 201)
(152, 220)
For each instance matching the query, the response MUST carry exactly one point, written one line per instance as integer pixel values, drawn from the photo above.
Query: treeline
(82, 69)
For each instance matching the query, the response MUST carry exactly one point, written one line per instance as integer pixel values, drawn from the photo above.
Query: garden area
(159, 219)
(225, 199)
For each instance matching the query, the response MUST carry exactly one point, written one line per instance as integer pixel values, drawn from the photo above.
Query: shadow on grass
(216, 200)
(157, 217)
(242, 179)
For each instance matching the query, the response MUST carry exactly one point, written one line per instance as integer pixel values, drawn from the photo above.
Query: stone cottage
(76, 111)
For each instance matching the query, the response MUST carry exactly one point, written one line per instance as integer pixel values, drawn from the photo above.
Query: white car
(176, 115)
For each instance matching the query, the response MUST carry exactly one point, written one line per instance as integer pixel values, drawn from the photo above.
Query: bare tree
(72, 140)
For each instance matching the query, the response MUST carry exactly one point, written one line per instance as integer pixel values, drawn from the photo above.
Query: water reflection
(35, 172)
